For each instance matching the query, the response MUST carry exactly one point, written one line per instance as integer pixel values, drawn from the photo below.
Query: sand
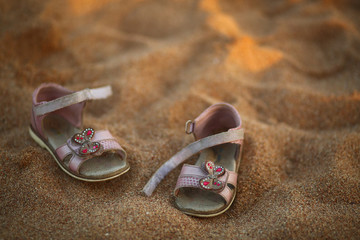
(291, 68)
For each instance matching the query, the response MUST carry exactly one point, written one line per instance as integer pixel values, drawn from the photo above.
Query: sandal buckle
(189, 127)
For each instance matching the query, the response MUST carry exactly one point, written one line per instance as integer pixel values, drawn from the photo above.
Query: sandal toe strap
(104, 139)
(191, 176)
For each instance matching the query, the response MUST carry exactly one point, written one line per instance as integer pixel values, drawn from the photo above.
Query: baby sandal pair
(204, 189)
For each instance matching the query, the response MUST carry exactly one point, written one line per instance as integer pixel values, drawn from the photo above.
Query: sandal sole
(213, 214)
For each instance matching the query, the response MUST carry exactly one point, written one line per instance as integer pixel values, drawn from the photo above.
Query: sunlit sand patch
(224, 24)
(219, 21)
(247, 54)
(210, 6)
(82, 7)
(244, 52)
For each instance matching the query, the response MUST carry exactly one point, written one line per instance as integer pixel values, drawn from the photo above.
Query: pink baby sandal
(56, 125)
(207, 188)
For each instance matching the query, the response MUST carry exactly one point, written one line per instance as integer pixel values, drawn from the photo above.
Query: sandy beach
(290, 67)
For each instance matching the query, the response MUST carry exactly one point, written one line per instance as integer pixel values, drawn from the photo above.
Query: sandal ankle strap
(71, 99)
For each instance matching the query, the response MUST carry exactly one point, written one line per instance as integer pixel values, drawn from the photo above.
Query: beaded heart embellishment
(84, 138)
(211, 182)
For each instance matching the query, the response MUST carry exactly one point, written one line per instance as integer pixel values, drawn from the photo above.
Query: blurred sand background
(290, 67)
